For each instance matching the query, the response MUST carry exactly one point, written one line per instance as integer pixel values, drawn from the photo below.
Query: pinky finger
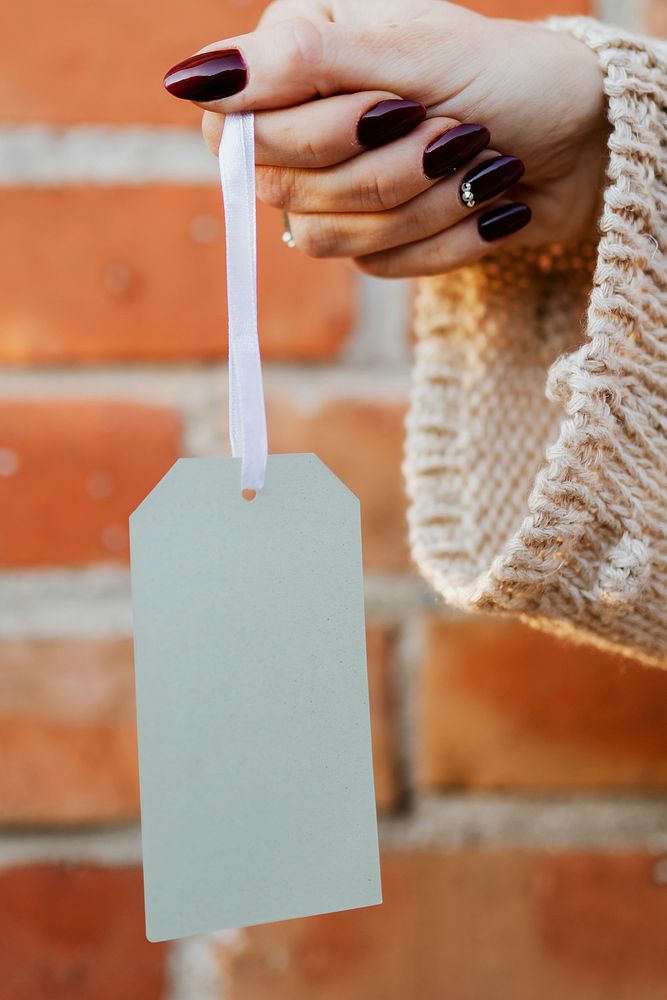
(462, 244)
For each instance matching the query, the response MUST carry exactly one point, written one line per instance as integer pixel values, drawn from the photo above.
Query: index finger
(323, 133)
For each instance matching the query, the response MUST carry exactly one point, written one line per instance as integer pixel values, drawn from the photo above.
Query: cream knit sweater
(536, 457)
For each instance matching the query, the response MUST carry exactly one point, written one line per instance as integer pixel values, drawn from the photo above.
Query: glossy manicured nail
(454, 148)
(389, 120)
(209, 76)
(490, 178)
(502, 221)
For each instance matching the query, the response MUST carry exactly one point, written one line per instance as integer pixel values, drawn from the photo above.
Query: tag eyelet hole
(249, 495)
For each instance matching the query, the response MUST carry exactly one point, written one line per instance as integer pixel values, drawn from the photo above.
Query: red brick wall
(521, 784)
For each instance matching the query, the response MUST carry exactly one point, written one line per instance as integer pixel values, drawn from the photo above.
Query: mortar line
(94, 602)
(451, 822)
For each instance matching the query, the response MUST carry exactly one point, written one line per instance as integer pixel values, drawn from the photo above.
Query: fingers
(289, 62)
(372, 182)
(463, 244)
(378, 180)
(442, 206)
(324, 133)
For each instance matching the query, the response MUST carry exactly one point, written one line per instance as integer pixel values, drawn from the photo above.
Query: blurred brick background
(522, 785)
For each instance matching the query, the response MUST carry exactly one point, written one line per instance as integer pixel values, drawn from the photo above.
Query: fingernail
(389, 120)
(503, 221)
(454, 148)
(490, 178)
(209, 76)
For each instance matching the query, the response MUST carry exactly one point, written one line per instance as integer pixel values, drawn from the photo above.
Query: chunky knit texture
(536, 457)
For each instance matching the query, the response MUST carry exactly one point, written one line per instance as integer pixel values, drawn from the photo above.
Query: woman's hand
(412, 160)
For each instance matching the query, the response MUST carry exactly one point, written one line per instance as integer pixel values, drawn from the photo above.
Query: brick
(504, 706)
(85, 66)
(76, 933)
(383, 720)
(139, 274)
(362, 443)
(71, 474)
(67, 725)
(470, 924)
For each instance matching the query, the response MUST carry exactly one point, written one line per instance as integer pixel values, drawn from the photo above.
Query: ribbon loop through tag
(247, 417)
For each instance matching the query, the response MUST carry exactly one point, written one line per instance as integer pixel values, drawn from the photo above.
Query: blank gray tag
(257, 799)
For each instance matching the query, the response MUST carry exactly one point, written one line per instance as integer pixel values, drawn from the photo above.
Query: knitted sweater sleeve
(536, 455)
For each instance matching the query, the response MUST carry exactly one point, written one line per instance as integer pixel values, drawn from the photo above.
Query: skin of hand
(371, 117)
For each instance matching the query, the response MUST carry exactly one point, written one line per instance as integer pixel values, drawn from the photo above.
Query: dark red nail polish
(490, 178)
(389, 120)
(503, 221)
(454, 148)
(209, 76)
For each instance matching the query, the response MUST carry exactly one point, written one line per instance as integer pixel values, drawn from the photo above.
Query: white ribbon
(247, 418)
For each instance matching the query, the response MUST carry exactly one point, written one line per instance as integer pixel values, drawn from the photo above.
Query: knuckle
(301, 146)
(378, 193)
(275, 186)
(314, 236)
(441, 256)
(426, 218)
(304, 44)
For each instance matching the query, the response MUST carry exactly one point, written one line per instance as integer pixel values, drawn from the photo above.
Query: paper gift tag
(257, 798)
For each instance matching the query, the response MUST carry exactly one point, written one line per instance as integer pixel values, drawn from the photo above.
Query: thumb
(290, 62)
